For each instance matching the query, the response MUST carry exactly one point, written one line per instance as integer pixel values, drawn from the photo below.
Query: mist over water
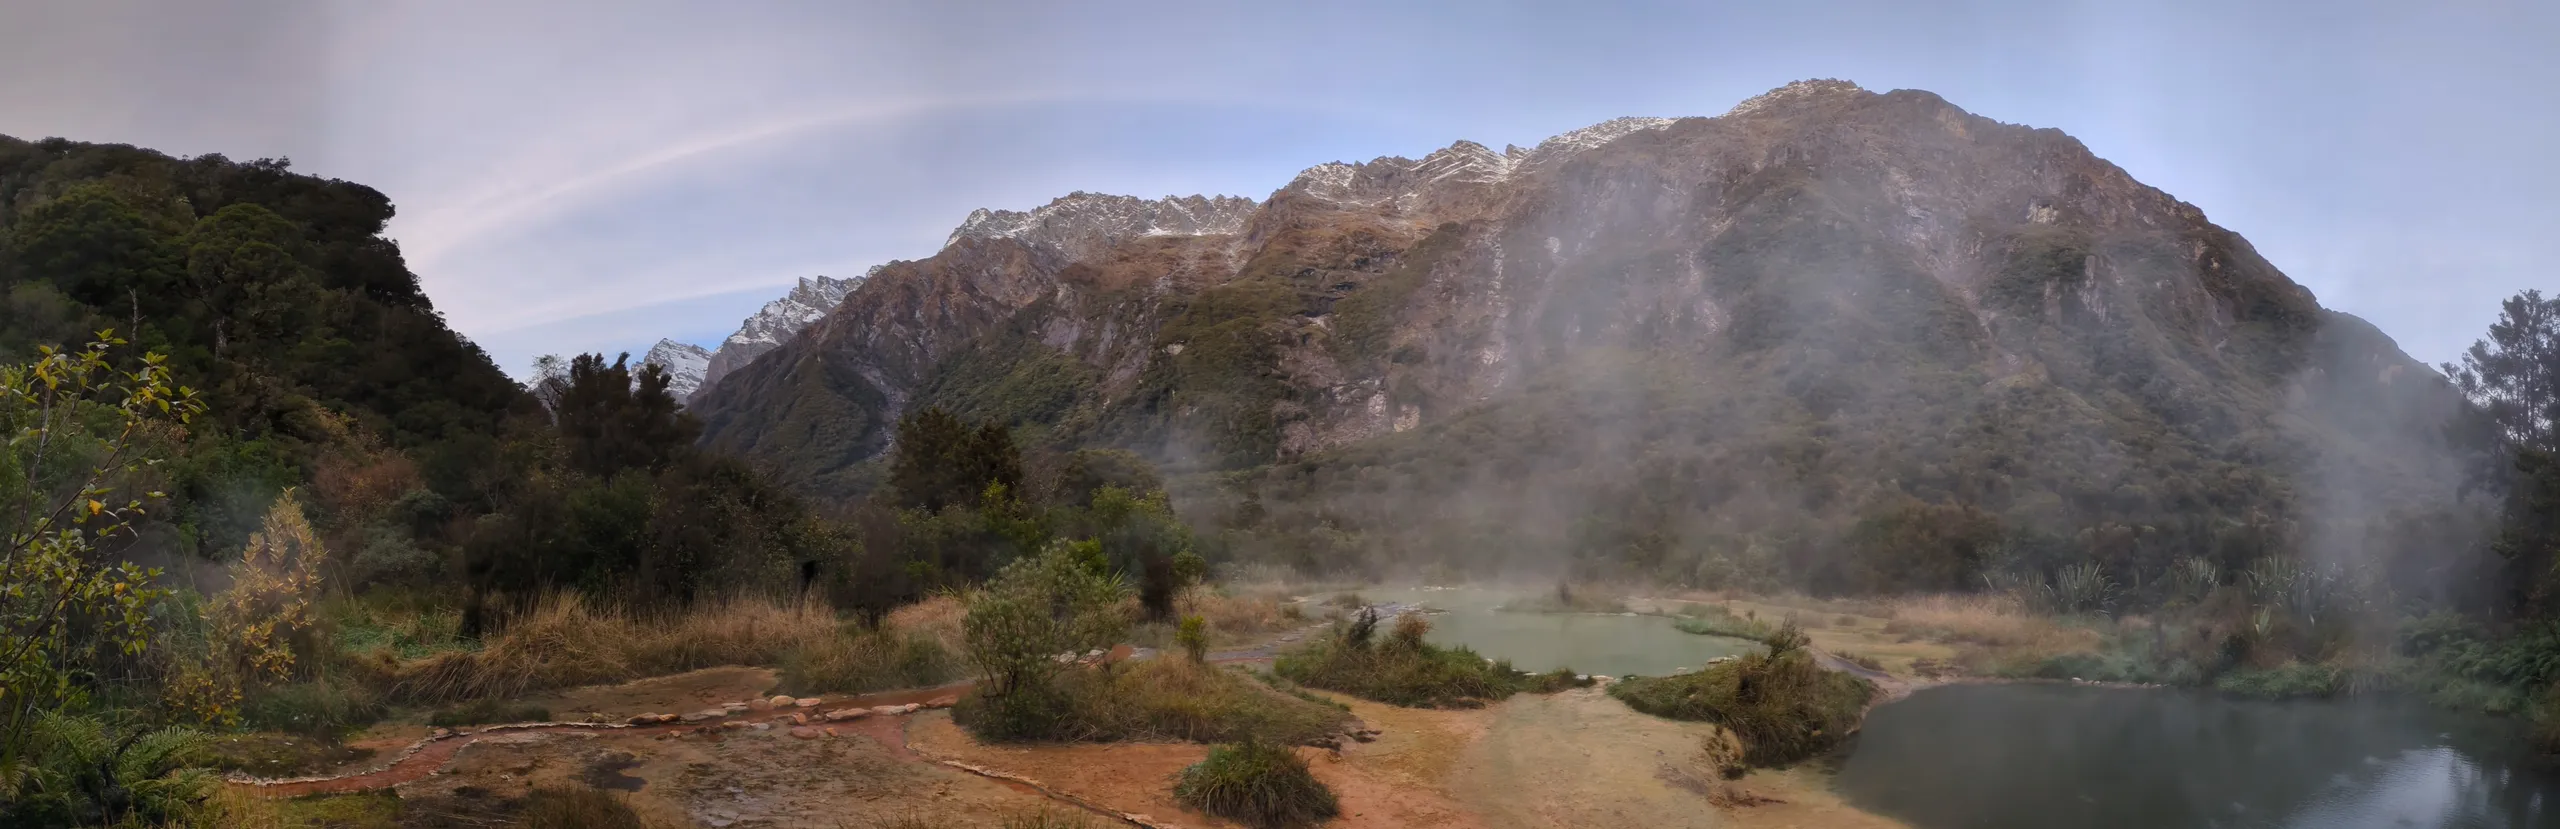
(2019, 756)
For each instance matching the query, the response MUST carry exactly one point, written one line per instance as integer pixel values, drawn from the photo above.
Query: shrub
(84, 772)
(1164, 699)
(862, 659)
(1021, 624)
(1194, 639)
(480, 711)
(1405, 670)
(1257, 784)
(1782, 705)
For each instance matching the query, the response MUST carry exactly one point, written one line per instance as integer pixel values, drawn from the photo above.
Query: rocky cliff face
(1767, 327)
(777, 322)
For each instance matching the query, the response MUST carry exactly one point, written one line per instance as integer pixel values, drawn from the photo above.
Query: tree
(611, 420)
(97, 248)
(939, 460)
(241, 269)
(78, 431)
(2513, 377)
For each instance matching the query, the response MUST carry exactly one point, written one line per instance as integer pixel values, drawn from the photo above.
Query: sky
(585, 175)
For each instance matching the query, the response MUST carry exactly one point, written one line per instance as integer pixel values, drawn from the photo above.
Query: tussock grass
(861, 660)
(1782, 705)
(1168, 699)
(565, 641)
(937, 618)
(1989, 620)
(1402, 669)
(1257, 784)
(1233, 617)
(1715, 620)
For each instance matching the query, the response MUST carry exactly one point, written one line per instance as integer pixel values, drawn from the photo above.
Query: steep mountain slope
(1859, 339)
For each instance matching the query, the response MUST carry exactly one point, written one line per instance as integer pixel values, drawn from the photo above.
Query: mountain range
(1818, 325)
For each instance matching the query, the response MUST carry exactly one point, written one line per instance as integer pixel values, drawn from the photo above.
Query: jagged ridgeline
(1833, 337)
(273, 293)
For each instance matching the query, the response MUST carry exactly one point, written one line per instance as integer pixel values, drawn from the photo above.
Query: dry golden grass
(1235, 617)
(564, 641)
(937, 618)
(1991, 621)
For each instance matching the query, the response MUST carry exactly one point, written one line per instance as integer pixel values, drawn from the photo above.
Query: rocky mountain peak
(1082, 223)
(1795, 92)
(779, 320)
(684, 362)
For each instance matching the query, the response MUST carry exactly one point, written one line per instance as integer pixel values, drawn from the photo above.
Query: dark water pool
(2020, 756)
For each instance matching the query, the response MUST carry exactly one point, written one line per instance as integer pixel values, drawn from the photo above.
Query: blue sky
(595, 175)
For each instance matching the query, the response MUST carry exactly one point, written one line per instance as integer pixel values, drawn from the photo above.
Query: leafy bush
(1257, 784)
(83, 772)
(1404, 669)
(1194, 639)
(1782, 705)
(1021, 624)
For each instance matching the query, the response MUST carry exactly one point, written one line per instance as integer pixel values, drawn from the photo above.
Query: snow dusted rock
(783, 701)
(773, 325)
(1081, 224)
(685, 364)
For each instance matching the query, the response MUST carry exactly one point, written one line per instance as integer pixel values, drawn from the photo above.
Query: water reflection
(1999, 756)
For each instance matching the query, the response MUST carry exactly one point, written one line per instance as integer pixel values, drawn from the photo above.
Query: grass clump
(578, 808)
(2293, 680)
(1258, 784)
(565, 641)
(486, 710)
(1166, 699)
(863, 659)
(1405, 670)
(1782, 705)
(1714, 620)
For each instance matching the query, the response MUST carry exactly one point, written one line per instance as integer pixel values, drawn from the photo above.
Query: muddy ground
(1575, 759)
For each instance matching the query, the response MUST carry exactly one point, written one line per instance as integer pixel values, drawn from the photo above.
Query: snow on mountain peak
(1081, 220)
(684, 362)
(1793, 91)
